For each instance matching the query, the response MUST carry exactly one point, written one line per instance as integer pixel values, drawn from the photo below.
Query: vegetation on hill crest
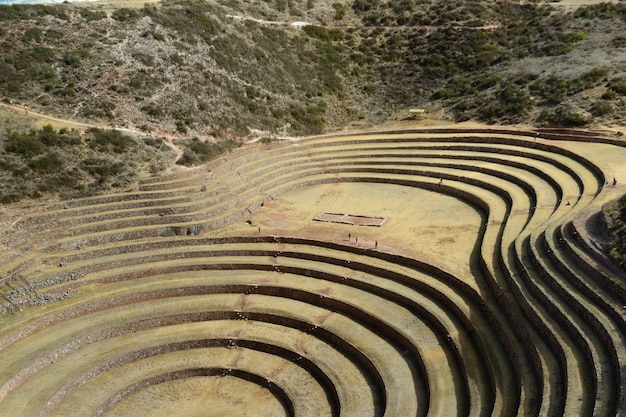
(194, 67)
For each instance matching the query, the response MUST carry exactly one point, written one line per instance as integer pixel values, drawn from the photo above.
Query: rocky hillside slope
(210, 74)
(233, 67)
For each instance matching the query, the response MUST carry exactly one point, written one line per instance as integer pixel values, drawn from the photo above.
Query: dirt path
(168, 138)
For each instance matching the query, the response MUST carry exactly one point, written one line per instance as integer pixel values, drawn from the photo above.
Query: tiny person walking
(349, 236)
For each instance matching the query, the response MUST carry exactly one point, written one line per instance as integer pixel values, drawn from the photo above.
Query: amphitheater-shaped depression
(215, 291)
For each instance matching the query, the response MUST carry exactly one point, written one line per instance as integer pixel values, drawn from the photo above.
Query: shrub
(595, 75)
(192, 19)
(365, 5)
(48, 163)
(618, 85)
(510, 102)
(125, 14)
(102, 168)
(552, 89)
(49, 136)
(30, 11)
(108, 140)
(32, 34)
(324, 34)
(197, 152)
(564, 115)
(144, 58)
(609, 95)
(180, 127)
(144, 84)
(91, 15)
(153, 109)
(75, 58)
(67, 91)
(601, 108)
(176, 59)
(340, 10)
(24, 144)
(101, 109)
(308, 119)
(40, 73)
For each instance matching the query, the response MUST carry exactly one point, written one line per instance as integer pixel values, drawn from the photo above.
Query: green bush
(30, 11)
(41, 54)
(91, 15)
(24, 144)
(176, 59)
(124, 14)
(32, 34)
(340, 10)
(510, 103)
(49, 136)
(197, 152)
(40, 73)
(144, 84)
(601, 108)
(48, 163)
(102, 169)
(66, 92)
(144, 58)
(552, 89)
(153, 109)
(595, 75)
(565, 116)
(618, 85)
(324, 34)
(107, 140)
(181, 127)
(309, 119)
(101, 109)
(192, 19)
(75, 58)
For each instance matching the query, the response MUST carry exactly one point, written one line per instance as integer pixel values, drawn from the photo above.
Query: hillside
(230, 67)
(211, 74)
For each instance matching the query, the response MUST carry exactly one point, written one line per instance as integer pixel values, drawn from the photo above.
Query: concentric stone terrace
(214, 292)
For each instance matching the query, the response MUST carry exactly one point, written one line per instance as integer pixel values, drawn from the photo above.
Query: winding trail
(168, 137)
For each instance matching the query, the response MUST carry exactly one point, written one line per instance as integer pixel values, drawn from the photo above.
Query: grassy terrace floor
(215, 291)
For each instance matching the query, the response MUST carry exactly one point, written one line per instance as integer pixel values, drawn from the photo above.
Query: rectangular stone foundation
(350, 219)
